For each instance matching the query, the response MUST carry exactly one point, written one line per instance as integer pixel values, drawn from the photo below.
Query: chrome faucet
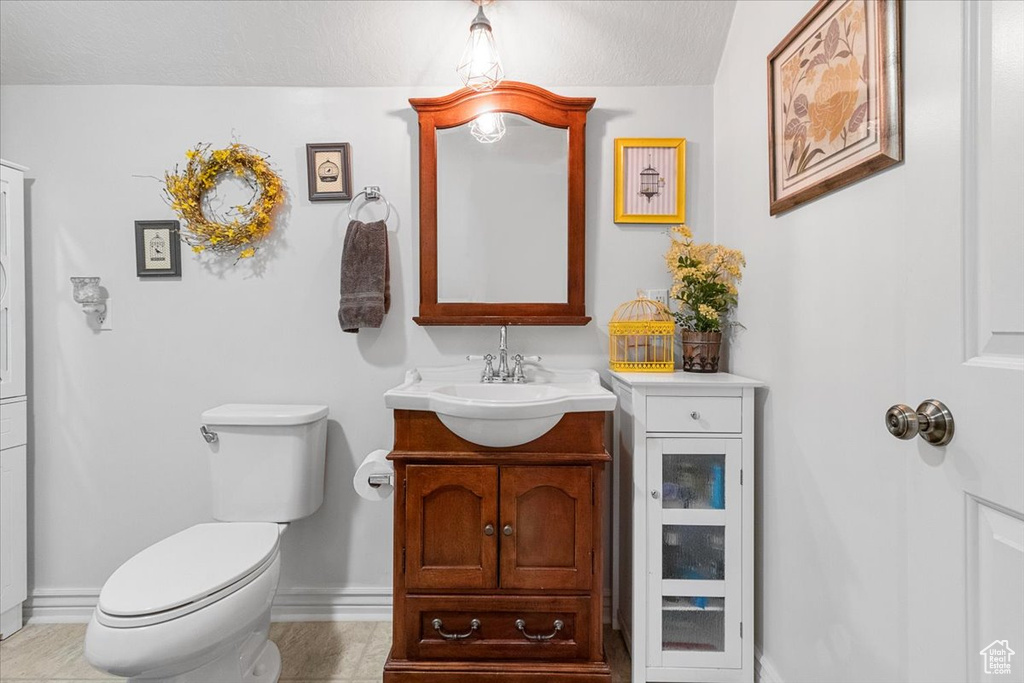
(503, 352)
(503, 375)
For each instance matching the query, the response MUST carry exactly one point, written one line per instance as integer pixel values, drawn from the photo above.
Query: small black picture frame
(329, 171)
(157, 249)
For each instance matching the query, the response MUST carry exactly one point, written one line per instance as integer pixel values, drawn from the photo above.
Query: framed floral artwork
(650, 180)
(835, 106)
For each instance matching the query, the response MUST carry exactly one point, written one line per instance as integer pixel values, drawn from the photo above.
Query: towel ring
(372, 194)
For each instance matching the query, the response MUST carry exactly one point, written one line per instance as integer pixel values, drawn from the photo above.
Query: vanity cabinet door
(451, 523)
(547, 528)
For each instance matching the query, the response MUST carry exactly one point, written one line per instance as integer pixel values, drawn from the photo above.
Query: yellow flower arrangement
(705, 278)
(240, 230)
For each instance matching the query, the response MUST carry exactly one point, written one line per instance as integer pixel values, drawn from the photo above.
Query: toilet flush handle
(209, 435)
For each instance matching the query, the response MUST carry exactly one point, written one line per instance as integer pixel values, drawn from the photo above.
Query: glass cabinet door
(694, 518)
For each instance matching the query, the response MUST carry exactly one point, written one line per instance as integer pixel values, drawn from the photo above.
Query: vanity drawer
(718, 414)
(497, 636)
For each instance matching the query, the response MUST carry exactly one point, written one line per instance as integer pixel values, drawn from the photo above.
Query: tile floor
(312, 651)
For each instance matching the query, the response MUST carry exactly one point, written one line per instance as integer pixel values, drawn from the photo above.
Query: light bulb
(488, 127)
(487, 123)
(480, 66)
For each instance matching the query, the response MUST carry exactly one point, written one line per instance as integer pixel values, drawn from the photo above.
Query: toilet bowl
(195, 607)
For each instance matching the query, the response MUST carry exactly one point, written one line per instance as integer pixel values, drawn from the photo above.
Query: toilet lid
(188, 566)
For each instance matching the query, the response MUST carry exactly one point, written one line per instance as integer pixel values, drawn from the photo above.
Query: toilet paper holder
(377, 480)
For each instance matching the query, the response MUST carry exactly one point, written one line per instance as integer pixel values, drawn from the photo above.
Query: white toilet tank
(266, 461)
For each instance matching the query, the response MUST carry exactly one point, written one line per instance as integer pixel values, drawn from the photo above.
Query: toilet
(195, 607)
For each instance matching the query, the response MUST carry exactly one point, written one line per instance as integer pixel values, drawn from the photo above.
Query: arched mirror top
(533, 102)
(502, 225)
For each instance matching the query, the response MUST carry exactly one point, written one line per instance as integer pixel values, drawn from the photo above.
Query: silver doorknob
(489, 530)
(507, 530)
(655, 494)
(932, 421)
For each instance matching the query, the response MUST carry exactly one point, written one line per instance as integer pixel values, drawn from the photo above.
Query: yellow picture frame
(656, 206)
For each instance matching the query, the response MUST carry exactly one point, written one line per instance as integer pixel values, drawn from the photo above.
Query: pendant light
(480, 66)
(488, 127)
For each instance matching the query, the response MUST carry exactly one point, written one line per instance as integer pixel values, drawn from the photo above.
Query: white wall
(117, 462)
(823, 305)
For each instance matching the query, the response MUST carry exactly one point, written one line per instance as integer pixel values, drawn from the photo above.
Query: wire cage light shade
(480, 66)
(488, 127)
(641, 337)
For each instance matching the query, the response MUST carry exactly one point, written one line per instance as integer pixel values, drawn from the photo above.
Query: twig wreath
(239, 229)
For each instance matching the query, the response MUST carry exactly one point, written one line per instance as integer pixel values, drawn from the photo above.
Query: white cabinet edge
(684, 379)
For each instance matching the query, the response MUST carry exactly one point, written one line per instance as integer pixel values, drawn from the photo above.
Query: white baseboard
(71, 605)
(62, 605)
(332, 604)
(763, 670)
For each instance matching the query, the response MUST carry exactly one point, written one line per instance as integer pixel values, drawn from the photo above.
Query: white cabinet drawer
(13, 424)
(717, 414)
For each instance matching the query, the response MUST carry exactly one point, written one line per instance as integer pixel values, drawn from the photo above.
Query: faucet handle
(517, 370)
(488, 373)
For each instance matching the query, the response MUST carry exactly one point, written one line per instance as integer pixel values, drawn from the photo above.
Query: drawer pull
(695, 414)
(473, 626)
(521, 625)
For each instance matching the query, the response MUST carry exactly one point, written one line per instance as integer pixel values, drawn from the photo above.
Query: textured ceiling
(358, 42)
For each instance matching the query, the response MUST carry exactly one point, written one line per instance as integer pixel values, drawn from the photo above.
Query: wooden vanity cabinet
(497, 555)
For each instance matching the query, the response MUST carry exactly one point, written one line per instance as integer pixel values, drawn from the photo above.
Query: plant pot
(701, 350)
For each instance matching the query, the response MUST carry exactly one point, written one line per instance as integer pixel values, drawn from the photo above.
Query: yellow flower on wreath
(185, 191)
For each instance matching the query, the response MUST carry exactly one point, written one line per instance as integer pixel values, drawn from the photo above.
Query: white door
(965, 340)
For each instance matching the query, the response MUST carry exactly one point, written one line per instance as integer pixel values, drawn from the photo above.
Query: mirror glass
(502, 214)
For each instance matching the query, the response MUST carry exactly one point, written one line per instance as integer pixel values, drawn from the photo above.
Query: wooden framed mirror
(502, 223)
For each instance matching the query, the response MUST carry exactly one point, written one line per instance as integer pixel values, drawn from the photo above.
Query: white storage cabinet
(13, 400)
(683, 546)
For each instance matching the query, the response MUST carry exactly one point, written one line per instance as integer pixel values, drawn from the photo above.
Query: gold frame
(620, 186)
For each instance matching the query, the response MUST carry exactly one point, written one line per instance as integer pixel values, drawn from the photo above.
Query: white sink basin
(500, 415)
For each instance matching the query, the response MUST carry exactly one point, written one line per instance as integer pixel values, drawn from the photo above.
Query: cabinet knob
(507, 530)
(695, 414)
(489, 530)
(655, 494)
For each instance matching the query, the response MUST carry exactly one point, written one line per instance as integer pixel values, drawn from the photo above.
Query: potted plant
(704, 277)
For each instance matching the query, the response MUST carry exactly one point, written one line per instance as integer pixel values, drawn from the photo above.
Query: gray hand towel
(365, 275)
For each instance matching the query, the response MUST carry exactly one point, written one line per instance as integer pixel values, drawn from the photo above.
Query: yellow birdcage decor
(641, 337)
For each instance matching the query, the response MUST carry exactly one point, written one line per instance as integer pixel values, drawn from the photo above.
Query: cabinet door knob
(489, 530)
(654, 494)
(507, 530)
(695, 414)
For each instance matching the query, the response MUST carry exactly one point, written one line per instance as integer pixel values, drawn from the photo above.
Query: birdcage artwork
(651, 182)
(640, 336)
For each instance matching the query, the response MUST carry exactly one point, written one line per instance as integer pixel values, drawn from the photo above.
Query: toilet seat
(186, 572)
